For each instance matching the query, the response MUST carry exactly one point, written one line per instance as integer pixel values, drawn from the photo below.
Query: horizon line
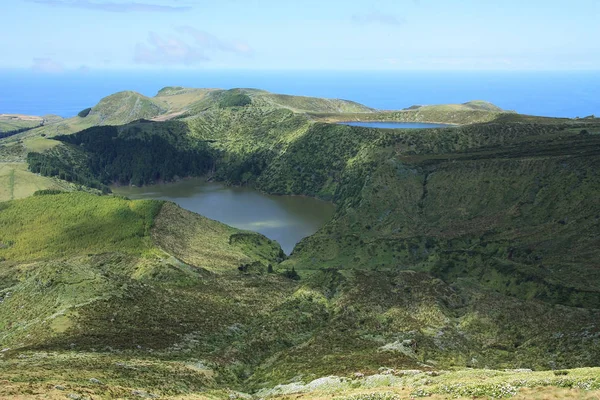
(91, 70)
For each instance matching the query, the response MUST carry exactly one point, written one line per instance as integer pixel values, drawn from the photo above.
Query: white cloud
(110, 6)
(167, 51)
(47, 65)
(208, 41)
(159, 50)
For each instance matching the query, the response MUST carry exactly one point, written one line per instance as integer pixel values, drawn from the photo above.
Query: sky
(53, 36)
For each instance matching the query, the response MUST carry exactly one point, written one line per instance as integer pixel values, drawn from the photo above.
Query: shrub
(84, 113)
(373, 396)
(561, 373)
(234, 99)
(47, 192)
(291, 274)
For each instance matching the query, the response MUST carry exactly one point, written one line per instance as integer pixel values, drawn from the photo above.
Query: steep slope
(309, 104)
(520, 217)
(123, 107)
(64, 256)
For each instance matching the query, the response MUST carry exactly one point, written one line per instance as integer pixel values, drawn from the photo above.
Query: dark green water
(286, 219)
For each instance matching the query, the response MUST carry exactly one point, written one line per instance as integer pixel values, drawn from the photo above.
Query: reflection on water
(286, 219)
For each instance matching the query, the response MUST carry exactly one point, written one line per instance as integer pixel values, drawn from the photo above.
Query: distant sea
(555, 94)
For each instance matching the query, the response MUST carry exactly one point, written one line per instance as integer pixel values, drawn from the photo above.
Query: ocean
(554, 94)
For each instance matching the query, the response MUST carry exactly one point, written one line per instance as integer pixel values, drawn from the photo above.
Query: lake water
(395, 125)
(286, 219)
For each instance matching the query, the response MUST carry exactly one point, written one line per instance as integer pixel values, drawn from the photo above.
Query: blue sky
(58, 35)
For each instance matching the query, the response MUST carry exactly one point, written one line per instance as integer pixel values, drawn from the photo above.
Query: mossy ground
(95, 376)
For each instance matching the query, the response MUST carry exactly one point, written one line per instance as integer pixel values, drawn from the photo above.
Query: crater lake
(285, 219)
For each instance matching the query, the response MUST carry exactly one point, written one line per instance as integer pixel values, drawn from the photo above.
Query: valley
(459, 260)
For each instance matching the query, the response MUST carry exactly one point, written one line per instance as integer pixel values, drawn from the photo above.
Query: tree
(292, 274)
(84, 113)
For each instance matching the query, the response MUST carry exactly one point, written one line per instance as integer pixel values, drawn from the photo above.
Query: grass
(11, 122)
(583, 383)
(208, 244)
(120, 376)
(15, 149)
(69, 224)
(307, 104)
(454, 114)
(119, 303)
(16, 182)
(38, 144)
(124, 107)
(69, 261)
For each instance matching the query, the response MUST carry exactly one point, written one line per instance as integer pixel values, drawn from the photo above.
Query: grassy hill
(63, 254)
(455, 114)
(178, 102)
(58, 225)
(16, 182)
(473, 246)
(107, 296)
(308, 104)
(188, 106)
(512, 199)
(125, 107)
(15, 122)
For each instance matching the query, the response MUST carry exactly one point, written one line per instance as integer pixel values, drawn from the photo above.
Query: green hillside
(178, 102)
(453, 114)
(14, 122)
(62, 254)
(514, 208)
(67, 225)
(158, 305)
(124, 107)
(452, 251)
